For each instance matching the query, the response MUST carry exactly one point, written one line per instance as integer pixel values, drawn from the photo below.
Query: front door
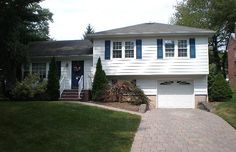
(77, 72)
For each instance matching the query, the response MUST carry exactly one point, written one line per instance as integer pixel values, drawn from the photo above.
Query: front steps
(71, 95)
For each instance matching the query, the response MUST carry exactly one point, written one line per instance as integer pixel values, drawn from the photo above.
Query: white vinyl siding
(200, 85)
(150, 65)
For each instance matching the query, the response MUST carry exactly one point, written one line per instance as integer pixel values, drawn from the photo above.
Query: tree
(53, 81)
(99, 82)
(220, 89)
(20, 23)
(89, 30)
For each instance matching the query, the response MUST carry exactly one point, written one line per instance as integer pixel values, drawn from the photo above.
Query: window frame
(165, 49)
(123, 50)
(129, 49)
(176, 56)
(43, 76)
(117, 49)
(182, 48)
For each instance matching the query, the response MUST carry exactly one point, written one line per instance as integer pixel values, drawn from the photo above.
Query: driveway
(183, 130)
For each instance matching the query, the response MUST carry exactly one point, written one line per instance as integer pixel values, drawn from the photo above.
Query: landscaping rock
(142, 108)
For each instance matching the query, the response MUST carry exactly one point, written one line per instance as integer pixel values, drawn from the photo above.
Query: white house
(168, 62)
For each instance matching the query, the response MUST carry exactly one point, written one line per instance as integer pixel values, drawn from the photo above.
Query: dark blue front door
(77, 72)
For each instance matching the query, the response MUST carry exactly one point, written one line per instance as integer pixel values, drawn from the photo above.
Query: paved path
(183, 130)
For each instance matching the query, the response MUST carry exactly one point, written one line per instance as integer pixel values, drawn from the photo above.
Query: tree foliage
(21, 21)
(99, 82)
(30, 89)
(219, 89)
(53, 85)
(89, 30)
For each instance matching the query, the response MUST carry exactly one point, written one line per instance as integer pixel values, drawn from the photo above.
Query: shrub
(220, 89)
(31, 88)
(122, 91)
(99, 82)
(53, 85)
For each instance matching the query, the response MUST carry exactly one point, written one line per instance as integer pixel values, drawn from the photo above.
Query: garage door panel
(176, 95)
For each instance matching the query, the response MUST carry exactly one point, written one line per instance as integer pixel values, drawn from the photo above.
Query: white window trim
(123, 49)
(176, 49)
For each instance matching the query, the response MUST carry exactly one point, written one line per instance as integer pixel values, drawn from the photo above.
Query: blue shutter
(192, 48)
(159, 48)
(107, 49)
(138, 49)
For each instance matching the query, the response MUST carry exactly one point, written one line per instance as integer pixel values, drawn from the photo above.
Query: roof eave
(99, 36)
(60, 56)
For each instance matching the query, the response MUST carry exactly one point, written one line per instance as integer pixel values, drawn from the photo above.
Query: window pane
(117, 49)
(169, 48)
(26, 70)
(40, 69)
(182, 48)
(129, 49)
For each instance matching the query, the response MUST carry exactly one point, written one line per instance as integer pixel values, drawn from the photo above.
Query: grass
(227, 110)
(57, 126)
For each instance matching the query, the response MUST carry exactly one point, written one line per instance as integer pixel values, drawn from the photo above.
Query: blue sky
(71, 17)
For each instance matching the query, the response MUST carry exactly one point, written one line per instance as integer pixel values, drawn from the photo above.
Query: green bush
(125, 91)
(31, 88)
(219, 89)
(99, 82)
(53, 85)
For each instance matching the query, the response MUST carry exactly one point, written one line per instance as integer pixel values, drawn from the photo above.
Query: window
(129, 49)
(117, 49)
(182, 48)
(169, 48)
(40, 69)
(26, 70)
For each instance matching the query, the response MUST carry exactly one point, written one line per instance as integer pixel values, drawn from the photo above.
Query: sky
(71, 17)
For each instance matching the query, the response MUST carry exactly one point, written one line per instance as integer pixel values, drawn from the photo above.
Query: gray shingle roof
(60, 48)
(151, 29)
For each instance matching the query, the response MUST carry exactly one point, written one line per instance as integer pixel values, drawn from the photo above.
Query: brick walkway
(183, 130)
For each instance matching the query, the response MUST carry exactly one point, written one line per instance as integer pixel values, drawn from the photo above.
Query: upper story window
(40, 69)
(169, 48)
(117, 49)
(129, 49)
(182, 48)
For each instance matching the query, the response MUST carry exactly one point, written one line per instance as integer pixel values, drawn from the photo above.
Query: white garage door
(175, 94)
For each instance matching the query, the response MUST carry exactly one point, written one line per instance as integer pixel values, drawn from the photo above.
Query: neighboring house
(168, 62)
(232, 59)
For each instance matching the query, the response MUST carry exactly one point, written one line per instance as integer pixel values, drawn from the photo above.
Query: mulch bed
(120, 105)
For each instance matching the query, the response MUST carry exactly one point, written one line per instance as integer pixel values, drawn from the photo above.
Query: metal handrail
(62, 85)
(80, 85)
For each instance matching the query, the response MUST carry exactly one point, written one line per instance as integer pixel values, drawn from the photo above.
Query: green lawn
(227, 110)
(57, 126)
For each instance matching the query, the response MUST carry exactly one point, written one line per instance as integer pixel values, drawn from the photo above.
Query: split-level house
(232, 59)
(168, 62)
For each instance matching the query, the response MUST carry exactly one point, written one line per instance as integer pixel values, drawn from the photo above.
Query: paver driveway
(183, 130)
